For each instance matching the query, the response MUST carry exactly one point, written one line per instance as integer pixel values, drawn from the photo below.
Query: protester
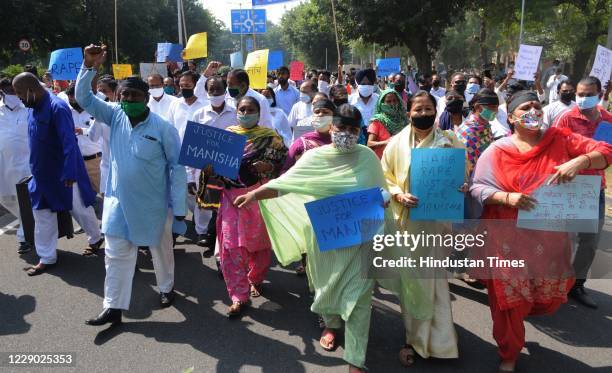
(473, 86)
(437, 90)
(566, 93)
(238, 87)
(424, 82)
(365, 99)
(169, 87)
(457, 84)
(553, 83)
(324, 82)
(245, 248)
(59, 178)
(435, 337)
(281, 123)
(159, 101)
(388, 120)
(583, 119)
(286, 94)
(398, 82)
(181, 110)
(99, 131)
(302, 110)
(14, 153)
(147, 187)
(505, 176)
(453, 115)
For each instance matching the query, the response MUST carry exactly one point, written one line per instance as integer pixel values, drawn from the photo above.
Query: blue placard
(169, 52)
(65, 64)
(266, 2)
(604, 132)
(347, 219)
(275, 60)
(248, 21)
(436, 174)
(205, 145)
(386, 66)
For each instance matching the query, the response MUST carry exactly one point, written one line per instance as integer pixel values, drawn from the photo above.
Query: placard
(168, 52)
(527, 62)
(386, 66)
(347, 219)
(604, 132)
(205, 145)
(122, 71)
(256, 66)
(602, 65)
(65, 64)
(436, 174)
(236, 60)
(296, 69)
(275, 60)
(197, 47)
(568, 207)
(147, 69)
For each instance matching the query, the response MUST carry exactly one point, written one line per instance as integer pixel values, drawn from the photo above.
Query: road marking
(9, 226)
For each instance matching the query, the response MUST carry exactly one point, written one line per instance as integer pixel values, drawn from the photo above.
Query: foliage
(11, 70)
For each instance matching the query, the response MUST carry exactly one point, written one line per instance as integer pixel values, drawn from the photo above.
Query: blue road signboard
(248, 21)
(266, 2)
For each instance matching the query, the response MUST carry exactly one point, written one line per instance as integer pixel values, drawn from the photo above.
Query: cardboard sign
(604, 132)
(275, 60)
(122, 71)
(296, 69)
(386, 66)
(436, 174)
(169, 52)
(256, 66)
(347, 219)
(147, 69)
(602, 65)
(569, 207)
(197, 47)
(205, 145)
(527, 62)
(65, 64)
(236, 60)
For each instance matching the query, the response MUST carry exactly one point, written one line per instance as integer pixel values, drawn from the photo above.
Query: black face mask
(435, 83)
(340, 101)
(76, 106)
(282, 81)
(399, 87)
(187, 92)
(454, 106)
(426, 88)
(460, 88)
(423, 122)
(567, 97)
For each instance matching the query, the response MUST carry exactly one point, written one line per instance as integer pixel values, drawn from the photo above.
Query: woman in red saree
(506, 174)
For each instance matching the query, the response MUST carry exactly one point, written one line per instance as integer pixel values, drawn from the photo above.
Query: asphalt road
(278, 334)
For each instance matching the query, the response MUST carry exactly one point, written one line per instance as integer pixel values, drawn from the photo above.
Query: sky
(221, 8)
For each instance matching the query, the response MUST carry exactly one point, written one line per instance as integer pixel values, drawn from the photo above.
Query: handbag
(209, 195)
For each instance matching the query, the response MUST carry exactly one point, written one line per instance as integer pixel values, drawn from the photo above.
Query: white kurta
(14, 150)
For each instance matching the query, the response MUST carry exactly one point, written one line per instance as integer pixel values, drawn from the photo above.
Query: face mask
(531, 120)
(11, 101)
(566, 97)
(216, 101)
(271, 101)
(322, 124)
(282, 81)
(101, 96)
(400, 87)
(472, 88)
(589, 102)
(323, 86)
(169, 90)
(248, 120)
(156, 92)
(435, 83)
(30, 100)
(460, 88)
(388, 109)
(75, 105)
(454, 106)
(344, 141)
(133, 109)
(488, 114)
(365, 90)
(424, 122)
(187, 92)
(304, 98)
(233, 92)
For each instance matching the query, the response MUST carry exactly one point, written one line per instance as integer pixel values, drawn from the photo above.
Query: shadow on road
(14, 310)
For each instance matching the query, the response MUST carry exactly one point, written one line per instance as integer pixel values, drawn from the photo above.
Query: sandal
(406, 355)
(236, 308)
(37, 269)
(256, 290)
(328, 344)
(89, 251)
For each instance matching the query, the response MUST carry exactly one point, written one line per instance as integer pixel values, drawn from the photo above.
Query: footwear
(108, 315)
(219, 271)
(328, 340)
(236, 308)
(93, 248)
(209, 252)
(80, 231)
(205, 240)
(256, 290)
(166, 299)
(38, 269)
(579, 294)
(24, 247)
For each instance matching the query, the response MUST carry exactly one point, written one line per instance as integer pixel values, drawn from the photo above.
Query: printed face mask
(531, 120)
(344, 141)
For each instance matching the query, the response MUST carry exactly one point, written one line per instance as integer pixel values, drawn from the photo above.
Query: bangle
(589, 158)
(507, 199)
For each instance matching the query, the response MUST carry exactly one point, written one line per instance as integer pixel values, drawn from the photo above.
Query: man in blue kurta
(59, 178)
(145, 188)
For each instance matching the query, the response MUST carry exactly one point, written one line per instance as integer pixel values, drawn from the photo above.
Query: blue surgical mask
(304, 98)
(248, 120)
(472, 88)
(589, 102)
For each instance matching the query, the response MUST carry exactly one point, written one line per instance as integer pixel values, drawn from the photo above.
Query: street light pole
(522, 16)
(116, 47)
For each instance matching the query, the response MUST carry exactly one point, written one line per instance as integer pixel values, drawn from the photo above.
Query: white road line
(9, 227)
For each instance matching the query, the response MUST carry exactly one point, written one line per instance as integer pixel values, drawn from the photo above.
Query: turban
(367, 73)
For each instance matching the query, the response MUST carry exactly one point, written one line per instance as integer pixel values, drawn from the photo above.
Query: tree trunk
(483, 41)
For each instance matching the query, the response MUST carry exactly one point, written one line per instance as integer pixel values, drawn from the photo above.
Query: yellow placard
(197, 46)
(122, 71)
(256, 66)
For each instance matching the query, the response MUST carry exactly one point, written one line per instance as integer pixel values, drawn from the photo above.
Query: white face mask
(156, 92)
(216, 101)
(11, 101)
(323, 123)
(323, 87)
(304, 98)
(365, 90)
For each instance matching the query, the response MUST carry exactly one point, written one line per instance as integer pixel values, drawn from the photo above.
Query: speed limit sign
(25, 45)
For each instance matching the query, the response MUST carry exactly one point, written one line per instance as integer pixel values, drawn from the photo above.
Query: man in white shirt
(458, 83)
(14, 153)
(303, 109)
(553, 83)
(159, 101)
(286, 94)
(182, 109)
(436, 89)
(365, 98)
(566, 92)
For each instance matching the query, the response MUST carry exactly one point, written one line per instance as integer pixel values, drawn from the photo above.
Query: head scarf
(369, 73)
(392, 117)
(136, 83)
(520, 98)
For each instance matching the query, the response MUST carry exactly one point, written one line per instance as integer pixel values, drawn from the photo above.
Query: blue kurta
(145, 178)
(55, 157)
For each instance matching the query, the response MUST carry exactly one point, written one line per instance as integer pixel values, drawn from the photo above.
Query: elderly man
(59, 178)
(365, 98)
(302, 110)
(147, 186)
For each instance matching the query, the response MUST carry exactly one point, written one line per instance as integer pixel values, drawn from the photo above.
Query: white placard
(147, 69)
(602, 65)
(527, 62)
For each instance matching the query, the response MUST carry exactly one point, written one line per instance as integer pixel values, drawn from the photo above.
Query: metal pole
(178, 16)
(241, 35)
(116, 47)
(325, 59)
(335, 28)
(522, 16)
(184, 23)
(609, 43)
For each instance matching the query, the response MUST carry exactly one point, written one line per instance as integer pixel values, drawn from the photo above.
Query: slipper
(236, 308)
(35, 271)
(89, 251)
(406, 355)
(330, 345)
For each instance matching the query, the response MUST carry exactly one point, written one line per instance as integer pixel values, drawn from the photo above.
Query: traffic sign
(248, 21)
(25, 45)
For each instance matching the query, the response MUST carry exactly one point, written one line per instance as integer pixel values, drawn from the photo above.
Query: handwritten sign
(346, 219)
(236, 60)
(122, 71)
(527, 62)
(256, 66)
(386, 66)
(436, 174)
(197, 46)
(569, 207)
(602, 64)
(296, 69)
(65, 64)
(298, 131)
(205, 145)
(275, 60)
(169, 52)
(148, 69)
(604, 132)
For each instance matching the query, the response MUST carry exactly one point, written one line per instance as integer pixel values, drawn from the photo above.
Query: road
(278, 334)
